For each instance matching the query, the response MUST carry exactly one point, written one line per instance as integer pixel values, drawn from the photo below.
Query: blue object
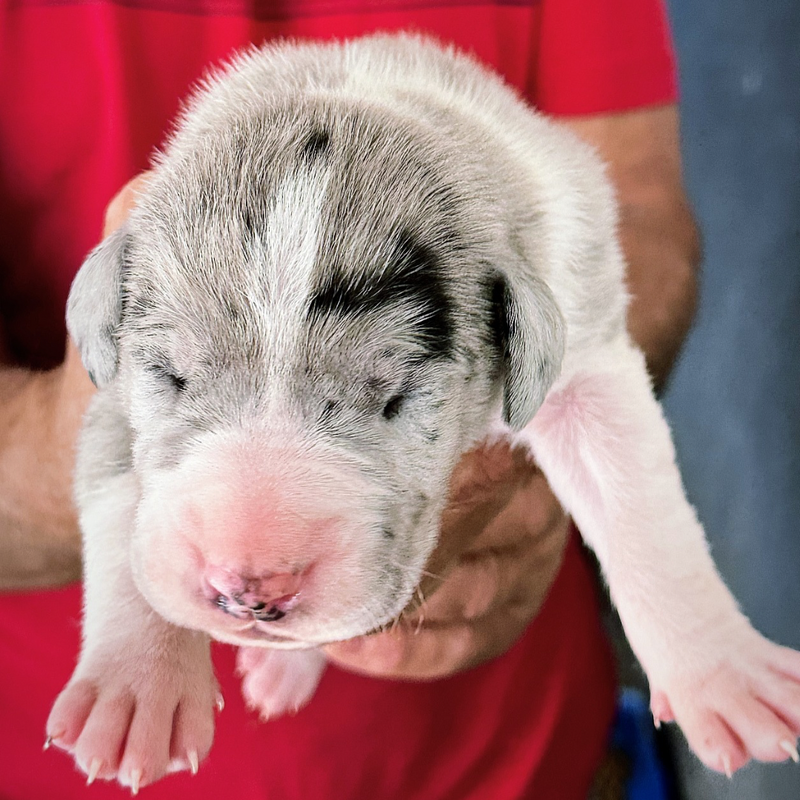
(634, 735)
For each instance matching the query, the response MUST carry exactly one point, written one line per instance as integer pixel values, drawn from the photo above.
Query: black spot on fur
(248, 222)
(411, 275)
(233, 309)
(317, 144)
(499, 332)
(328, 410)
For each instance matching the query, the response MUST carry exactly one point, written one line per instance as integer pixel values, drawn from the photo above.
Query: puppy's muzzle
(265, 598)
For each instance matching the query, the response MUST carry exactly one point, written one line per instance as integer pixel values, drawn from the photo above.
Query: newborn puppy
(352, 263)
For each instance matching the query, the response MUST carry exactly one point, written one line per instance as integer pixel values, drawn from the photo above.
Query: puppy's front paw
(276, 682)
(746, 706)
(138, 713)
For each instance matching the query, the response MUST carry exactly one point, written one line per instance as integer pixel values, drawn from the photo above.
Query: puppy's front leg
(140, 702)
(603, 442)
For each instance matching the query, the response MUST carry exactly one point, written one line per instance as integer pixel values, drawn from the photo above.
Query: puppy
(354, 261)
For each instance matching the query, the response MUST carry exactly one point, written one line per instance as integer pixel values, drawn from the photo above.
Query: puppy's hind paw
(276, 682)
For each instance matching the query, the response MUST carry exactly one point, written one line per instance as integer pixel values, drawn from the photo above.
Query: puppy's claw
(791, 749)
(657, 723)
(136, 779)
(194, 764)
(47, 742)
(726, 765)
(94, 769)
(220, 702)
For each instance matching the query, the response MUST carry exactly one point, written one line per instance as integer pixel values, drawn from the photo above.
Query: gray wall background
(734, 400)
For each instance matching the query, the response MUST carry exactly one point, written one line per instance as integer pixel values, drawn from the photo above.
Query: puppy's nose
(267, 597)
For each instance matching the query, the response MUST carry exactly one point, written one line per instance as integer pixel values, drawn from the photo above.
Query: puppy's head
(311, 314)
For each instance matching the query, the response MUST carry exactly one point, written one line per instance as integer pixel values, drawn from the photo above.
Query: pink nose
(267, 598)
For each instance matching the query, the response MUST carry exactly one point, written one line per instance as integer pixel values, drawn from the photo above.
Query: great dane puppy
(352, 263)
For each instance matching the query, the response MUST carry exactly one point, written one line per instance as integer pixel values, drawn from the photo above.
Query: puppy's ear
(529, 331)
(94, 307)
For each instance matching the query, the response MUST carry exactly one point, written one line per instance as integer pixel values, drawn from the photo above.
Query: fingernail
(791, 749)
(220, 702)
(94, 769)
(194, 764)
(657, 723)
(726, 765)
(136, 777)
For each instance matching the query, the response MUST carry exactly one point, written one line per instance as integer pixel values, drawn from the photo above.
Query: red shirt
(87, 90)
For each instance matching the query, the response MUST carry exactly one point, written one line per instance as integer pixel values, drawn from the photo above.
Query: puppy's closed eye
(166, 374)
(394, 406)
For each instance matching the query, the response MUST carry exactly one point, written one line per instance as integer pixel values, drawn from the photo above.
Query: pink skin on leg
(603, 443)
(276, 682)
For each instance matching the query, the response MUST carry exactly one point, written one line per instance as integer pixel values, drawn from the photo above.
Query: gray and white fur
(353, 262)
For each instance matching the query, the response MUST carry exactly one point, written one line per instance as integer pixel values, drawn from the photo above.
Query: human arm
(40, 416)
(657, 230)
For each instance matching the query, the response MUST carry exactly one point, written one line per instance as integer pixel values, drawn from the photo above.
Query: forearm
(657, 230)
(39, 417)
(662, 250)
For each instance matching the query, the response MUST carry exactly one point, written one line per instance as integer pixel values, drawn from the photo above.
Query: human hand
(123, 202)
(501, 545)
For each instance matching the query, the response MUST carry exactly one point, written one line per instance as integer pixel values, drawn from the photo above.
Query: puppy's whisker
(420, 623)
(421, 609)
(396, 622)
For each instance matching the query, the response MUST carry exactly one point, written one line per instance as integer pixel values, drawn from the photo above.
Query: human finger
(408, 652)
(123, 201)
(483, 484)
(493, 580)
(517, 552)
(527, 516)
